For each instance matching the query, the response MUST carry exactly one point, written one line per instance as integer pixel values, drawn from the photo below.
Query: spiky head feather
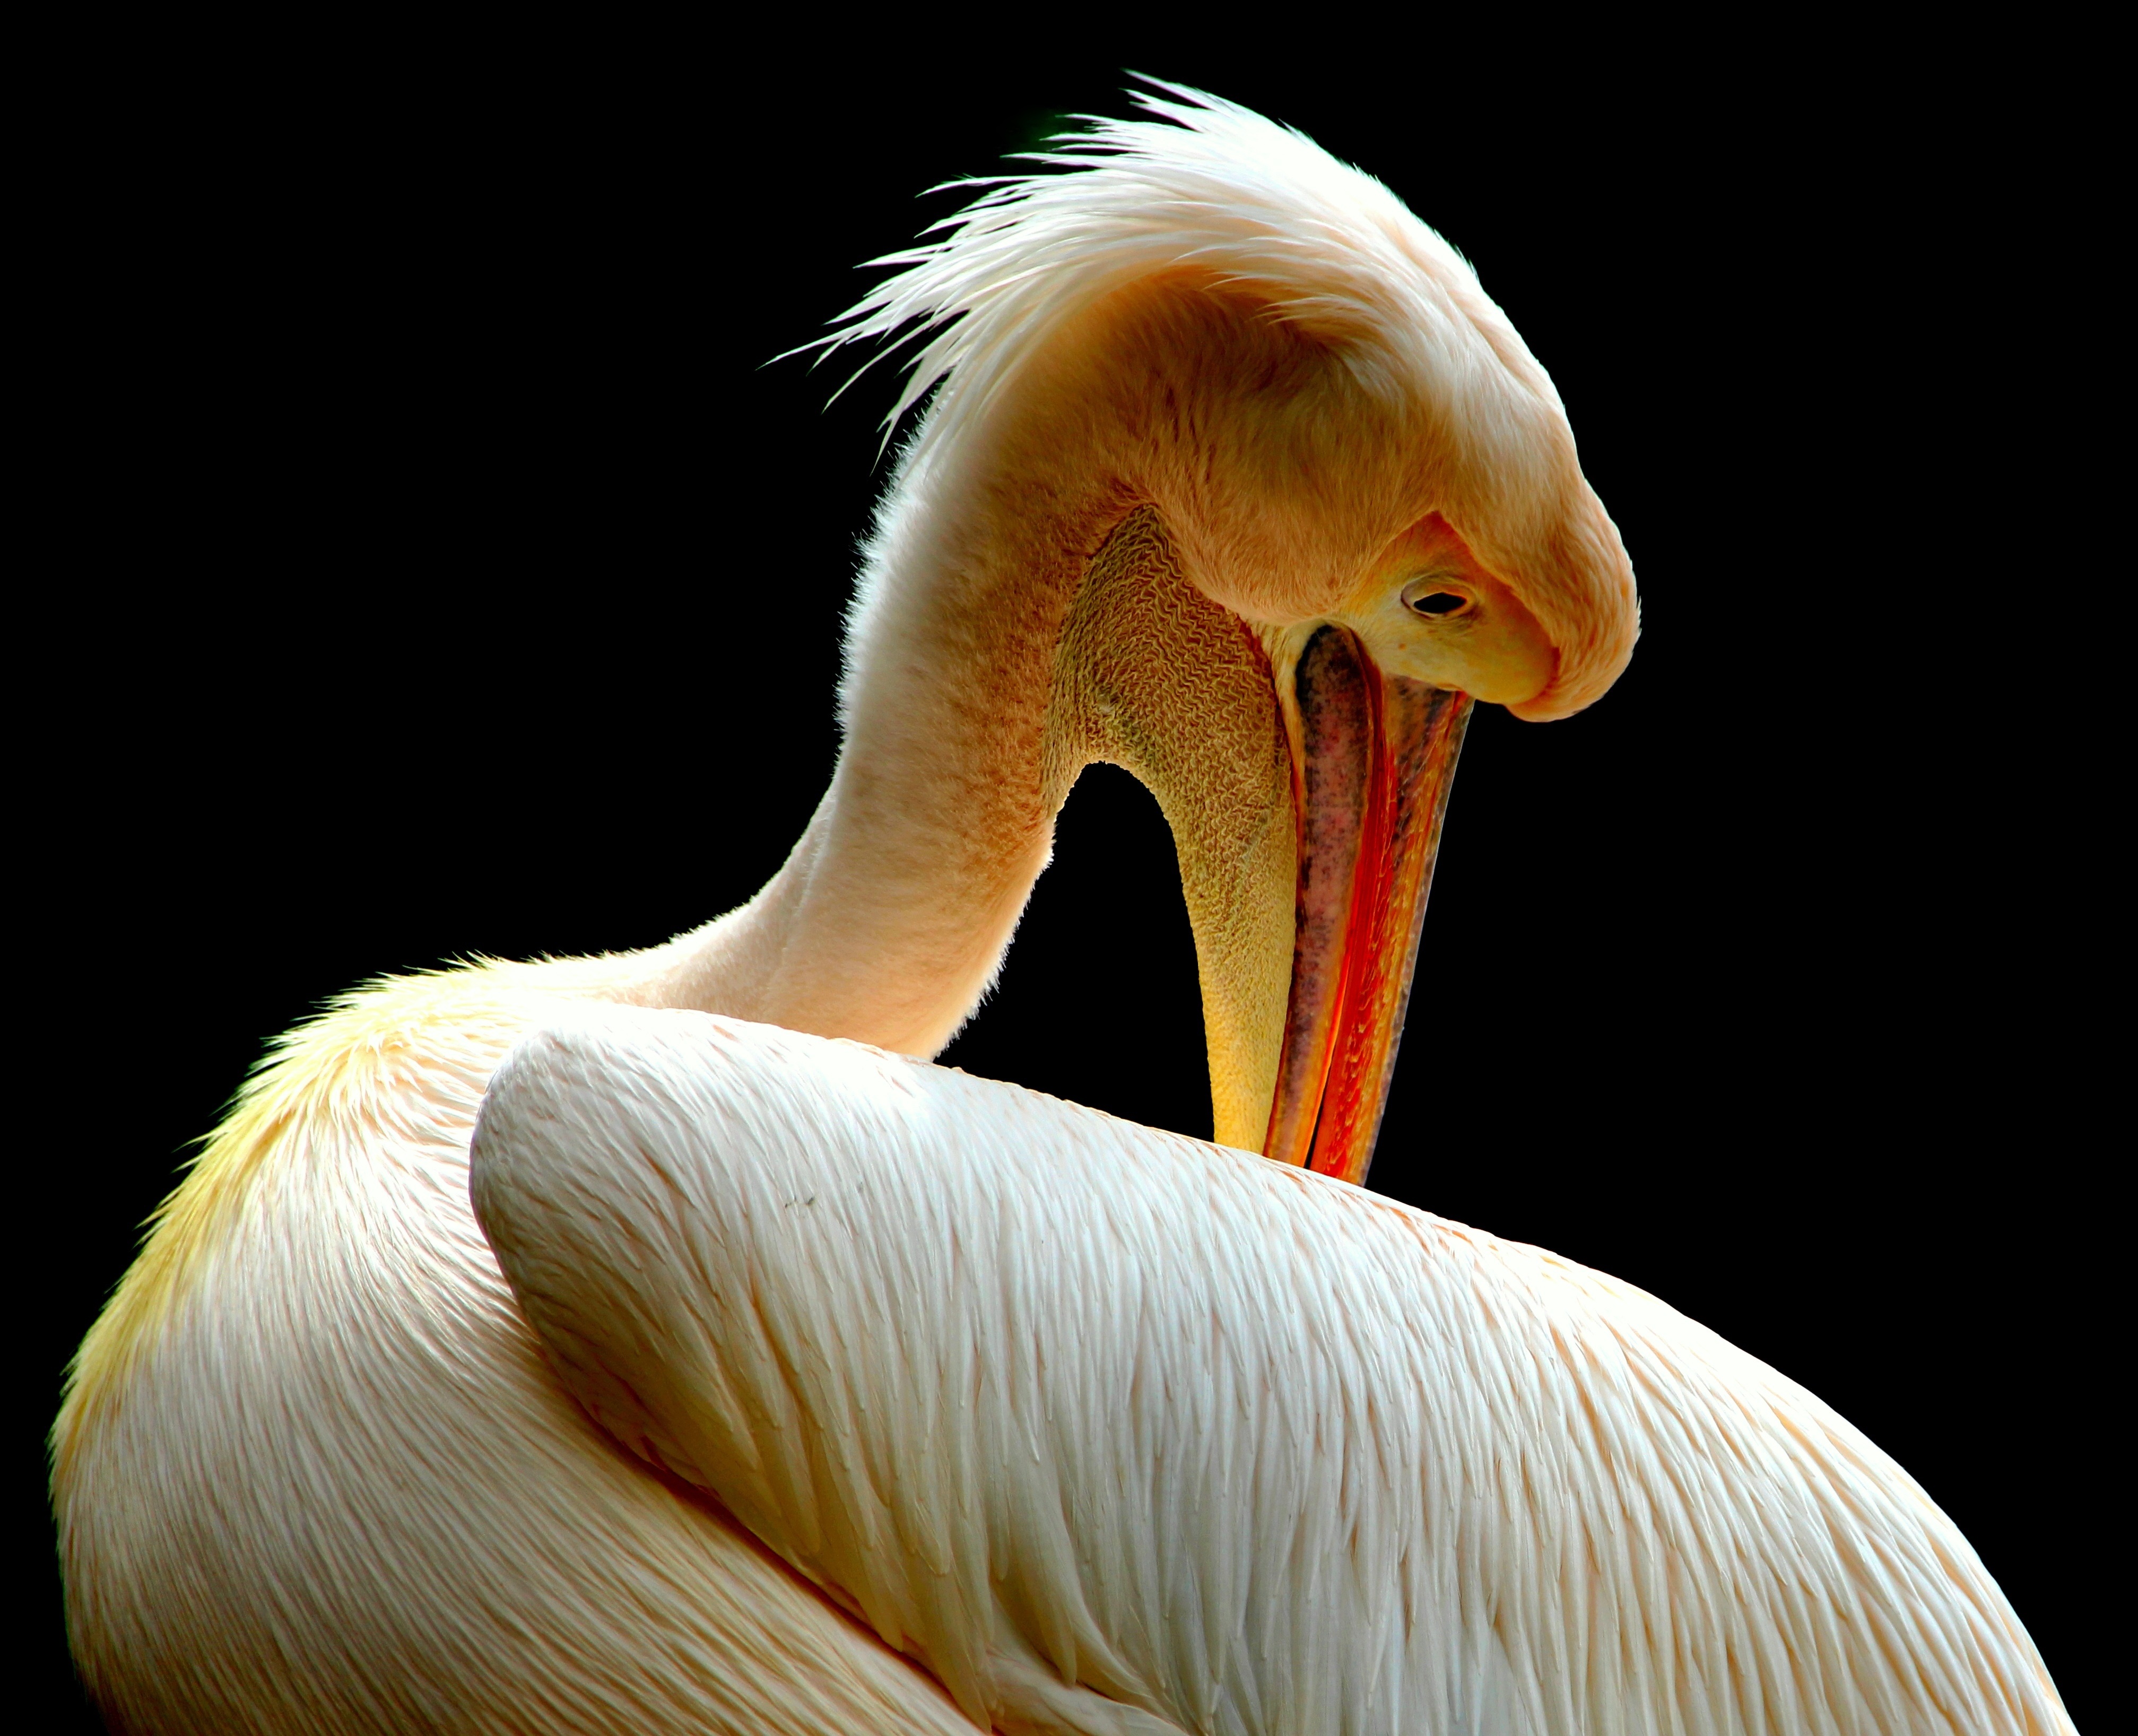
(1208, 186)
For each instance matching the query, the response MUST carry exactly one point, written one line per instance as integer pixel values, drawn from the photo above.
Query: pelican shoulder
(1049, 1399)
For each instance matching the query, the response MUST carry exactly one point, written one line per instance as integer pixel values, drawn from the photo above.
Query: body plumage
(775, 1381)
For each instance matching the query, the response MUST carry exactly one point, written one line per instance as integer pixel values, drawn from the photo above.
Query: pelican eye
(1440, 602)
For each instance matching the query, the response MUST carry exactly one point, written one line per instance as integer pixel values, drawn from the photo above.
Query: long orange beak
(1375, 762)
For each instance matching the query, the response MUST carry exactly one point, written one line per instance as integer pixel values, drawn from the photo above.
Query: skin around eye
(1487, 645)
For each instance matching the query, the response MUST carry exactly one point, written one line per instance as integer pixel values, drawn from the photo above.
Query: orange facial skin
(1488, 645)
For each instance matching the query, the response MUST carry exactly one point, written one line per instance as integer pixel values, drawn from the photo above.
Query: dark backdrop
(441, 570)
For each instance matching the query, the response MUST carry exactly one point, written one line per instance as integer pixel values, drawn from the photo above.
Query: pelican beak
(1304, 788)
(1373, 758)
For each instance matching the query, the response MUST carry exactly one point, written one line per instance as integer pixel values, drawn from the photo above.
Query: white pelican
(774, 1382)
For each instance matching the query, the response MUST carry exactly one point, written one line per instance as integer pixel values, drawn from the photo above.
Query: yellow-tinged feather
(336, 1068)
(313, 1471)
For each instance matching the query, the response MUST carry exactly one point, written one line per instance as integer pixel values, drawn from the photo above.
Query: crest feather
(1205, 183)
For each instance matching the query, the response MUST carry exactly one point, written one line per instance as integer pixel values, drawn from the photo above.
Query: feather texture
(1208, 190)
(1226, 1446)
(1113, 1431)
(1207, 182)
(314, 1472)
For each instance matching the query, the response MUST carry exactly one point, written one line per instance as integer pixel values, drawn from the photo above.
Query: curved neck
(889, 919)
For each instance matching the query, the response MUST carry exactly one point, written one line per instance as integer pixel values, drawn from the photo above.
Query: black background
(438, 569)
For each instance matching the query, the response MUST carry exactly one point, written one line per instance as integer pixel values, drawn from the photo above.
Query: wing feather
(1118, 1430)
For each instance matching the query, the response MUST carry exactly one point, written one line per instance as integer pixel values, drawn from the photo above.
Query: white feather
(1117, 1431)
(1211, 185)
(1058, 1400)
(334, 1486)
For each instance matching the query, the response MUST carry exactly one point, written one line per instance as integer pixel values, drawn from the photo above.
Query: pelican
(661, 1342)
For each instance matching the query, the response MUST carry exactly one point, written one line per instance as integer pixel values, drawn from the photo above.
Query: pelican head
(1230, 474)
